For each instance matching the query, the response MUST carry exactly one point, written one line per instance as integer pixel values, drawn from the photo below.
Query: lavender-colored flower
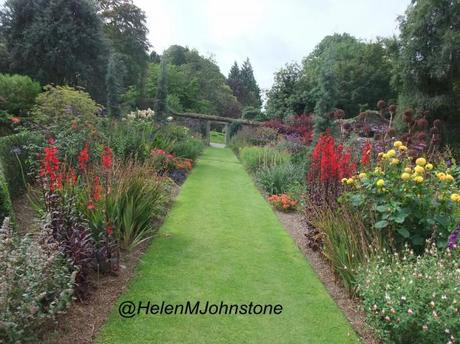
(16, 150)
(453, 238)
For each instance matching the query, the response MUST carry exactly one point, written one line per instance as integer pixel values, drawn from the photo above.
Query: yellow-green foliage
(58, 103)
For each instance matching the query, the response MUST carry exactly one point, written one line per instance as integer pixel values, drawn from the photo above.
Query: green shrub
(17, 93)
(36, 284)
(16, 154)
(6, 208)
(279, 179)
(409, 202)
(60, 103)
(413, 299)
(254, 158)
(188, 149)
(131, 138)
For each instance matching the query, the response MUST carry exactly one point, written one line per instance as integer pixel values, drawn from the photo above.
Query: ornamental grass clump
(411, 199)
(413, 299)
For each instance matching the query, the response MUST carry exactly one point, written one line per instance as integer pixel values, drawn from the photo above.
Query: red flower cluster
(283, 202)
(170, 161)
(97, 189)
(329, 164)
(50, 168)
(107, 158)
(366, 154)
(83, 158)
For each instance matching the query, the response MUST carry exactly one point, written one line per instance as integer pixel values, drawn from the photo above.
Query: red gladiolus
(109, 230)
(50, 167)
(83, 158)
(107, 158)
(97, 189)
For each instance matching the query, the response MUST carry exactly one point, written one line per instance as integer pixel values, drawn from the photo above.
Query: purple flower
(453, 237)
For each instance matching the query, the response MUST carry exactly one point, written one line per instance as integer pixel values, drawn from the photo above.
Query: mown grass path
(222, 242)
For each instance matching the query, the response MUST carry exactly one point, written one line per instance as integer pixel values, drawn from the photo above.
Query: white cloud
(269, 32)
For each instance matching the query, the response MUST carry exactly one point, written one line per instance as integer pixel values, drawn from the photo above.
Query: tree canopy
(56, 41)
(429, 61)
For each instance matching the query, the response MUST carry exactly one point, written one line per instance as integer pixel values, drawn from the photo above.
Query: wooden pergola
(216, 119)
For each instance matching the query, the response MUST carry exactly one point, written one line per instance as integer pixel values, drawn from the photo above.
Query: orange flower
(15, 120)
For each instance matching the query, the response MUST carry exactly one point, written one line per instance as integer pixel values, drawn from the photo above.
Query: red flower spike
(83, 158)
(107, 158)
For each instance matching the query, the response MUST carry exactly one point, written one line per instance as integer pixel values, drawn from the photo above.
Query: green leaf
(357, 200)
(381, 224)
(400, 218)
(403, 232)
(381, 208)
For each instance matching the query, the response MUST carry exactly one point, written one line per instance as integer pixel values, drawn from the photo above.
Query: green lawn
(222, 242)
(217, 137)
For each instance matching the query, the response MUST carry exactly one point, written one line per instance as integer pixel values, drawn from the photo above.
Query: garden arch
(217, 119)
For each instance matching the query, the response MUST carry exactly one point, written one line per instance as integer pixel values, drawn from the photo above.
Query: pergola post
(208, 133)
(227, 134)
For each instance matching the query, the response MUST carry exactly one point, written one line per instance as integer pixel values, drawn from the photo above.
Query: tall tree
(430, 57)
(161, 103)
(250, 89)
(125, 27)
(288, 93)
(234, 80)
(56, 41)
(115, 81)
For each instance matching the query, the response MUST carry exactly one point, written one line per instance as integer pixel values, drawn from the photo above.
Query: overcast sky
(269, 32)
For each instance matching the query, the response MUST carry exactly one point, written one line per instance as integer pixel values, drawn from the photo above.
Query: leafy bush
(16, 153)
(188, 149)
(410, 201)
(279, 179)
(413, 299)
(60, 103)
(6, 208)
(133, 139)
(17, 93)
(36, 284)
(254, 158)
